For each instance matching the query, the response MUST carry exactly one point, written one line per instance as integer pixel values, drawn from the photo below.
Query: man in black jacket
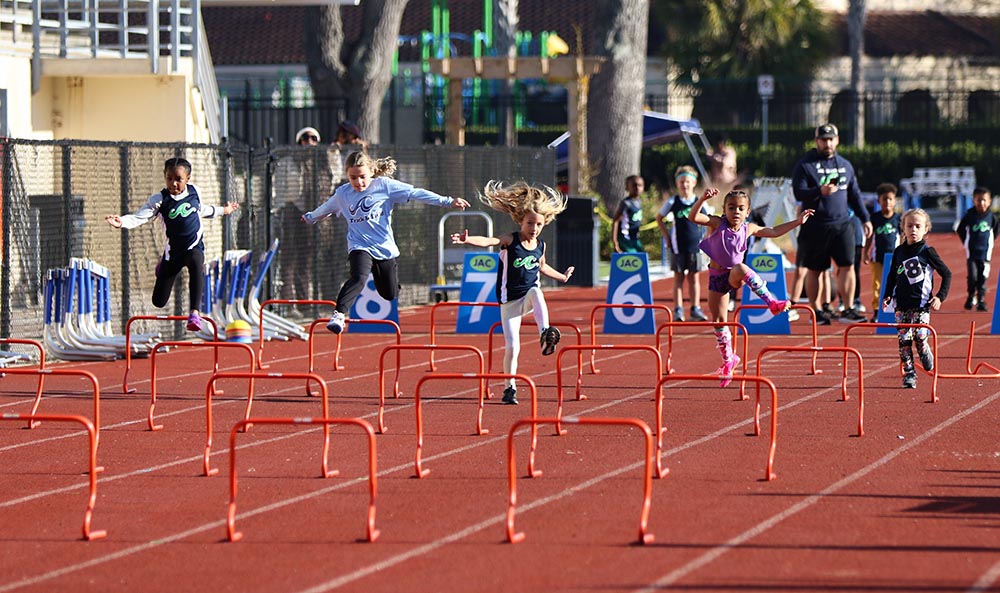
(825, 182)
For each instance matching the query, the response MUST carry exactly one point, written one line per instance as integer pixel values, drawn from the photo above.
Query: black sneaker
(510, 396)
(549, 339)
(822, 318)
(851, 316)
(981, 306)
(910, 381)
(927, 358)
(970, 303)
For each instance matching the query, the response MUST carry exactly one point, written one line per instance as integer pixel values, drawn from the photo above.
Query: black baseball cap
(827, 131)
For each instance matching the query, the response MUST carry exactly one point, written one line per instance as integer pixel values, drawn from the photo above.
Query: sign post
(765, 88)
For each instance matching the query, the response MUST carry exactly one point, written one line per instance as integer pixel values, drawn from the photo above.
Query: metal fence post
(5, 189)
(126, 304)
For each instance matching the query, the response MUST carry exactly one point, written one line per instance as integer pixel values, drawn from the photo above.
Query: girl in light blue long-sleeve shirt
(366, 203)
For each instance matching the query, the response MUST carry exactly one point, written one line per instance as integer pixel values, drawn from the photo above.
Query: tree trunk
(358, 74)
(505, 23)
(617, 94)
(856, 16)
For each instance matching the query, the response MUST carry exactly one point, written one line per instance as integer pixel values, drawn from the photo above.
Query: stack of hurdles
(78, 315)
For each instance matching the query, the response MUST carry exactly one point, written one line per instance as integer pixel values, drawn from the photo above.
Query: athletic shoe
(726, 370)
(778, 307)
(732, 305)
(851, 316)
(194, 322)
(910, 381)
(822, 318)
(981, 306)
(927, 358)
(549, 339)
(510, 396)
(678, 313)
(337, 322)
(697, 314)
(793, 315)
(970, 303)
(859, 306)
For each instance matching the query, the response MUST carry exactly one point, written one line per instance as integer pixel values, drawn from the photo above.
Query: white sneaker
(337, 322)
(793, 315)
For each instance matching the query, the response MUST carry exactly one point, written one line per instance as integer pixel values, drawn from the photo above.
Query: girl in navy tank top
(522, 261)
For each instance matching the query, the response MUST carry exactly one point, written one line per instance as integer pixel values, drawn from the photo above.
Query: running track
(910, 506)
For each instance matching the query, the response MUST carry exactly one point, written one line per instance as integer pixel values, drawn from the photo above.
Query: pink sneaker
(726, 370)
(777, 307)
(194, 323)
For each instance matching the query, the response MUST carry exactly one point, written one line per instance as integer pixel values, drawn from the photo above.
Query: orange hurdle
(968, 359)
(336, 354)
(843, 382)
(737, 326)
(660, 429)
(213, 345)
(260, 321)
(326, 422)
(801, 306)
(41, 365)
(647, 492)
(934, 349)
(91, 458)
(128, 340)
(593, 322)
(530, 321)
(247, 422)
(483, 391)
(434, 309)
(593, 348)
(422, 472)
(65, 373)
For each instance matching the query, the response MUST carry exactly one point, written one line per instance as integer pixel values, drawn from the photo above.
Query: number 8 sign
(370, 305)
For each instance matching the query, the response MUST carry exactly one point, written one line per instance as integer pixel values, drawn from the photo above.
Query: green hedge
(874, 164)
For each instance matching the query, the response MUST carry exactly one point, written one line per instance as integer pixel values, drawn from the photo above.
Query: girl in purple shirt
(726, 245)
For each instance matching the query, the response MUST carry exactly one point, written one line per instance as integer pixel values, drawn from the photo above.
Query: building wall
(103, 99)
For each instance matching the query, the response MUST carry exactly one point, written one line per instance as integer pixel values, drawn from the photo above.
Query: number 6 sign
(629, 284)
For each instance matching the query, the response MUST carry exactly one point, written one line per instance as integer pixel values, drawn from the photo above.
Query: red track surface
(910, 506)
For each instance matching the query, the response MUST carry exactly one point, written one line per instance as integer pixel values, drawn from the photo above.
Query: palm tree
(856, 16)
(359, 73)
(721, 46)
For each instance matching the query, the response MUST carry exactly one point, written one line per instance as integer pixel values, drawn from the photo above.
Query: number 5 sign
(370, 305)
(629, 284)
(771, 269)
(479, 283)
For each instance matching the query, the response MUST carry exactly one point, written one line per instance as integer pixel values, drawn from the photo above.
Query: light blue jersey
(369, 213)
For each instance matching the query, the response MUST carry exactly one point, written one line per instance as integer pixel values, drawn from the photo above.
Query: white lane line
(713, 554)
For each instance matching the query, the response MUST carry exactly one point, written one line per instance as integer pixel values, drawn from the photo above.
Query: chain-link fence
(56, 195)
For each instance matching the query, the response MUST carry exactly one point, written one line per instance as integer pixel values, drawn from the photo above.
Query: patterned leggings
(909, 335)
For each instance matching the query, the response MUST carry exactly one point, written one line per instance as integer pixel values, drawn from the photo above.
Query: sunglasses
(308, 137)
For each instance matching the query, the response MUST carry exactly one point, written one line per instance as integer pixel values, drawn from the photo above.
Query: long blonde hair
(519, 199)
(383, 167)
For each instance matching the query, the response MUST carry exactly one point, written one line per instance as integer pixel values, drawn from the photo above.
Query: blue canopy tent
(657, 128)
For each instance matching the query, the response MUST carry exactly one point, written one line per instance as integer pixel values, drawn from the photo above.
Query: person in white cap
(304, 177)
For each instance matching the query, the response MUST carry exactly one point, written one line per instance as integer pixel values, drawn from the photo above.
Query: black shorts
(820, 243)
(685, 262)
